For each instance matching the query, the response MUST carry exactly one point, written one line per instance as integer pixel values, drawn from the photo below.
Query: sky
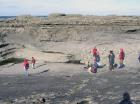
(85, 7)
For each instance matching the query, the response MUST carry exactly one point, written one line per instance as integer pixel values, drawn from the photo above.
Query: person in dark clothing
(139, 58)
(33, 61)
(126, 99)
(111, 58)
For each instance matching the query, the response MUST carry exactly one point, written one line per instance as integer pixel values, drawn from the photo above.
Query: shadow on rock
(40, 65)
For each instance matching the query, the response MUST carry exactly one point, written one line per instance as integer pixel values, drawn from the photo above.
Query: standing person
(111, 58)
(96, 54)
(33, 62)
(26, 66)
(97, 57)
(139, 58)
(94, 51)
(121, 57)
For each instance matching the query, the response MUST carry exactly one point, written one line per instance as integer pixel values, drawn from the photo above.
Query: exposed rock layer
(40, 31)
(64, 28)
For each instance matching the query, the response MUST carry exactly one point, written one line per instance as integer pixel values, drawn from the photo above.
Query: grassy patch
(11, 60)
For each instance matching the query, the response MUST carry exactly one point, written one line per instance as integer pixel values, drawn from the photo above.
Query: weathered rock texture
(39, 31)
(64, 28)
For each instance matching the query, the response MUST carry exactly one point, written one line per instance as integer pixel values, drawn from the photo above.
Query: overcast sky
(91, 7)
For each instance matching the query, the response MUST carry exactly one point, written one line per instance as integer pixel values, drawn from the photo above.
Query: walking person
(111, 58)
(121, 58)
(33, 61)
(26, 66)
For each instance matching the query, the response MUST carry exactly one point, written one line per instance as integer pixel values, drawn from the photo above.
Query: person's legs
(111, 67)
(98, 58)
(121, 63)
(33, 65)
(26, 72)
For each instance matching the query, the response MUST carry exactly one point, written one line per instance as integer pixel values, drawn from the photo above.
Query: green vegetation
(11, 60)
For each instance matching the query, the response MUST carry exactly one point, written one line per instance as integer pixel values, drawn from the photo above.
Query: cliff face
(39, 31)
(67, 28)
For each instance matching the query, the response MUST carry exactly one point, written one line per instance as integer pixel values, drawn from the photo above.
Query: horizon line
(65, 13)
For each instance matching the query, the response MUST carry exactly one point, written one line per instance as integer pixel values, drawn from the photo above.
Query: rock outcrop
(63, 27)
(56, 28)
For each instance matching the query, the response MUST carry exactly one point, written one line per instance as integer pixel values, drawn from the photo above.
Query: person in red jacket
(33, 62)
(26, 65)
(94, 51)
(121, 57)
(96, 54)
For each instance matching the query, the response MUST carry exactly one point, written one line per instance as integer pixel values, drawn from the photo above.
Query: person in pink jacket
(121, 57)
(94, 51)
(26, 66)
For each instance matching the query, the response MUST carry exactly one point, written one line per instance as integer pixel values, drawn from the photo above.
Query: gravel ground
(71, 85)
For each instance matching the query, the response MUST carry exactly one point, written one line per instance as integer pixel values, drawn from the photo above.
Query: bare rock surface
(70, 34)
(62, 38)
(70, 84)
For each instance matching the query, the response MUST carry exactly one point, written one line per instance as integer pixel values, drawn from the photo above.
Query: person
(96, 54)
(111, 58)
(33, 61)
(26, 66)
(93, 68)
(139, 57)
(121, 58)
(97, 57)
(126, 99)
(94, 51)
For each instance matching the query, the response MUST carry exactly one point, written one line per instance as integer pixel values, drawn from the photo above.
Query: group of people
(111, 59)
(26, 64)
